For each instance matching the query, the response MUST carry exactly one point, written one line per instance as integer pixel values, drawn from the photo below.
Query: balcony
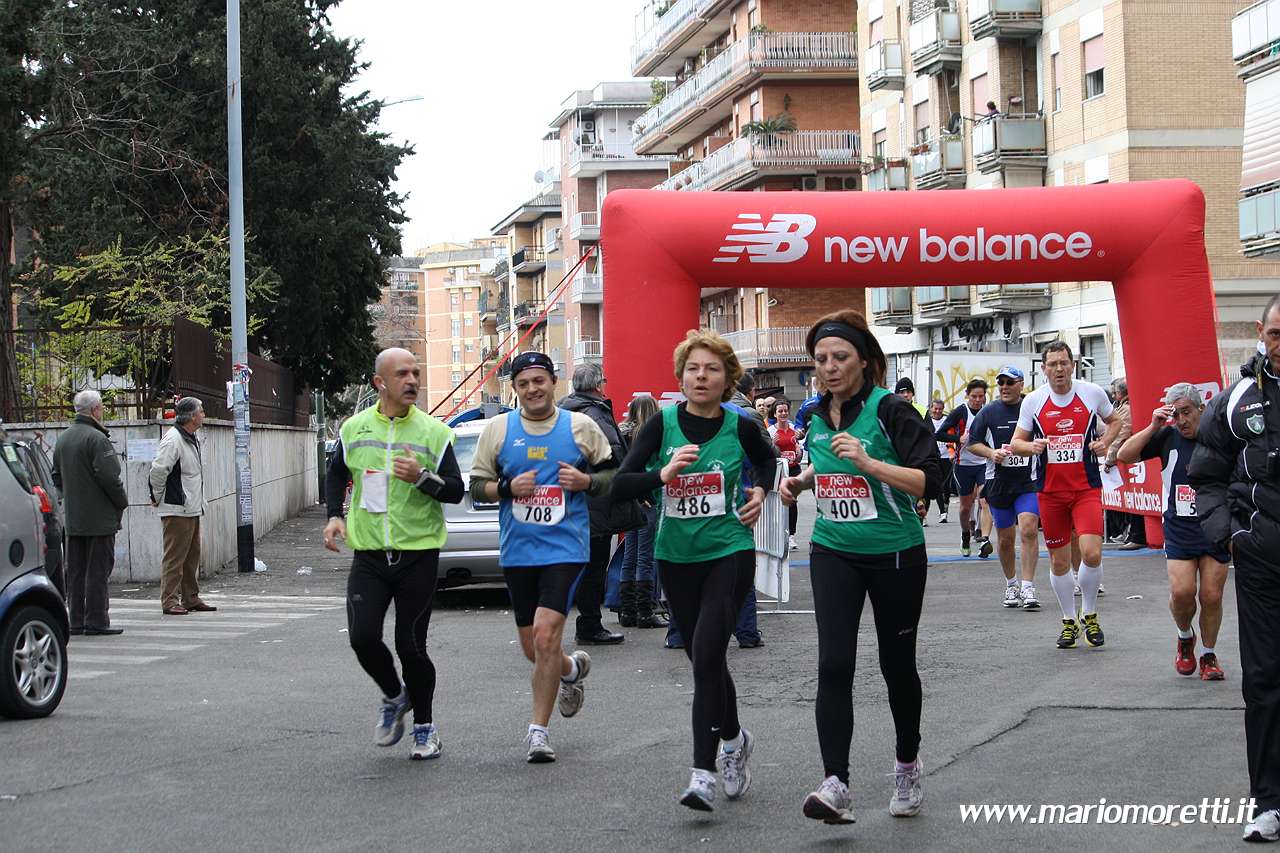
(1012, 20)
(940, 166)
(529, 313)
(703, 100)
(501, 270)
(1012, 140)
(553, 240)
(890, 306)
(529, 260)
(884, 66)
(770, 347)
(585, 226)
(668, 40)
(1012, 298)
(585, 351)
(587, 289)
(747, 158)
(589, 161)
(937, 305)
(1255, 39)
(935, 42)
(886, 175)
(1260, 223)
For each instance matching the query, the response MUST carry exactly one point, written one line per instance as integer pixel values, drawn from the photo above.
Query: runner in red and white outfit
(787, 440)
(1062, 421)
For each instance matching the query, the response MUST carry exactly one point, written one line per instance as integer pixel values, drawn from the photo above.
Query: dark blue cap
(525, 360)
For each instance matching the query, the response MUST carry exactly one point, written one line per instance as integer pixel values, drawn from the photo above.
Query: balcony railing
(887, 175)
(585, 225)
(1255, 38)
(1015, 297)
(939, 304)
(1005, 19)
(530, 259)
(588, 351)
(1260, 223)
(529, 312)
(760, 347)
(592, 159)
(680, 16)
(743, 157)
(941, 165)
(883, 68)
(890, 306)
(1009, 141)
(935, 42)
(759, 52)
(588, 287)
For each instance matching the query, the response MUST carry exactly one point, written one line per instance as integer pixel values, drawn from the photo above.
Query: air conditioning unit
(849, 183)
(810, 184)
(588, 127)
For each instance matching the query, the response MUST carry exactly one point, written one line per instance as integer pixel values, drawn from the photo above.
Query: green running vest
(409, 520)
(857, 513)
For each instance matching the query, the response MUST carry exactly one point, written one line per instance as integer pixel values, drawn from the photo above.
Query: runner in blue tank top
(530, 462)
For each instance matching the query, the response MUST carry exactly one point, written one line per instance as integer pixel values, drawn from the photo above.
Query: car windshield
(464, 450)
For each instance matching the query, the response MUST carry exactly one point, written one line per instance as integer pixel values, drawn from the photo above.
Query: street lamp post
(239, 324)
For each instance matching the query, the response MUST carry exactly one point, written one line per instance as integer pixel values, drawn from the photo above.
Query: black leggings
(841, 582)
(944, 496)
(408, 578)
(705, 599)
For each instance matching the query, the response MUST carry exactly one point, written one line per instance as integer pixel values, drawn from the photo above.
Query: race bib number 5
(694, 495)
(545, 506)
(1184, 502)
(844, 497)
(1065, 448)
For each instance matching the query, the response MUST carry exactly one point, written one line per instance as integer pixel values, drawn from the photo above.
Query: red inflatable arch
(1146, 238)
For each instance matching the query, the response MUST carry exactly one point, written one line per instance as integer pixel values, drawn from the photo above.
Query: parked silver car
(471, 553)
(33, 618)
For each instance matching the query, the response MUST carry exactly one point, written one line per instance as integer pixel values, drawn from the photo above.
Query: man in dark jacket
(1235, 472)
(588, 398)
(87, 471)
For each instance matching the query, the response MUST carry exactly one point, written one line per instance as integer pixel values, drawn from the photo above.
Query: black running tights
(408, 578)
(841, 582)
(705, 599)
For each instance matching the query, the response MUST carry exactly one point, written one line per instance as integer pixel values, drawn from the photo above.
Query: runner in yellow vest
(401, 466)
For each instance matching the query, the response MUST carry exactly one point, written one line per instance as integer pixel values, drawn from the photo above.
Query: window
(455, 377)
(877, 31)
(923, 131)
(1095, 360)
(457, 354)
(455, 328)
(1095, 57)
(471, 347)
(1056, 81)
(753, 14)
(878, 141)
(980, 94)
(453, 300)
(470, 321)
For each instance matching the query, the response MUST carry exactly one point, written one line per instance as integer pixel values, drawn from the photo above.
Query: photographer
(1235, 471)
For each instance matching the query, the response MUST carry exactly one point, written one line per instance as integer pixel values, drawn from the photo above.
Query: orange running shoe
(1185, 662)
(1209, 669)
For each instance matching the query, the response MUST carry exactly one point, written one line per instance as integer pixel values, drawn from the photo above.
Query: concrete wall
(284, 482)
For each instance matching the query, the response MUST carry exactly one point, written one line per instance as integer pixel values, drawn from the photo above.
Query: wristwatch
(426, 477)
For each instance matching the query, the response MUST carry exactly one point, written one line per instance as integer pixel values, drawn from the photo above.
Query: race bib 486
(694, 495)
(844, 497)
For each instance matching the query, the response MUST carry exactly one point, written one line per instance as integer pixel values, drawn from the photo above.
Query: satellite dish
(539, 177)
(953, 123)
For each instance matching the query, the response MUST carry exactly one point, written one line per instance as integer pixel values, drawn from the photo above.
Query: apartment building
(756, 95)
(1016, 93)
(1255, 48)
(532, 233)
(594, 128)
(398, 318)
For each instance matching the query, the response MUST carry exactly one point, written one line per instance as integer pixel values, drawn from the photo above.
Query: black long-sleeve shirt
(910, 435)
(450, 492)
(633, 481)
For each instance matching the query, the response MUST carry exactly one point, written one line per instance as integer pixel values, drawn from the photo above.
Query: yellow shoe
(1070, 632)
(1092, 630)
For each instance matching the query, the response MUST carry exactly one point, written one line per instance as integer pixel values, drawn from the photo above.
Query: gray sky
(492, 74)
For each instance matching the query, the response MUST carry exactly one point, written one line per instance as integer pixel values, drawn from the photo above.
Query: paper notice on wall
(142, 449)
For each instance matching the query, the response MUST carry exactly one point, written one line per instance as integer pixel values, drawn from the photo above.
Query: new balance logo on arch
(781, 240)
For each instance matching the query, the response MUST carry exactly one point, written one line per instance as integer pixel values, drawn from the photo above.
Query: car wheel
(34, 655)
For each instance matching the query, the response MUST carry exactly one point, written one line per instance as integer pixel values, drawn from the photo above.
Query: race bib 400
(545, 506)
(1065, 448)
(844, 497)
(694, 495)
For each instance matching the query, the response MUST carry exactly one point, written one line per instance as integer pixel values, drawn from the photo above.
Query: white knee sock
(1090, 580)
(1065, 589)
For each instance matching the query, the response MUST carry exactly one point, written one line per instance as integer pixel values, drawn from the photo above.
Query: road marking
(110, 645)
(147, 633)
(86, 674)
(204, 623)
(149, 612)
(127, 660)
(300, 599)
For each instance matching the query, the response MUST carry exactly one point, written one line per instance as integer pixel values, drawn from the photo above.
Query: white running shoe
(1102, 590)
(1029, 600)
(701, 793)
(791, 541)
(734, 773)
(907, 796)
(1264, 827)
(426, 743)
(540, 751)
(574, 693)
(830, 803)
(1012, 596)
(390, 726)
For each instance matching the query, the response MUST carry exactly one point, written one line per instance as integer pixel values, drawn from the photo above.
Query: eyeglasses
(1006, 381)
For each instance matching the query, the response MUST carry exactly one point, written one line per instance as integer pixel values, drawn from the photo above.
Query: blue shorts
(1181, 542)
(968, 478)
(1008, 517)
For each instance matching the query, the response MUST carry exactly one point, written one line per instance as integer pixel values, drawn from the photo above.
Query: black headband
(836, 329)
(525, 360)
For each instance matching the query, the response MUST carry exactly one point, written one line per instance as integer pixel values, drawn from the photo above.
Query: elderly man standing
(177, 491)
(588, 399)
(87, 471)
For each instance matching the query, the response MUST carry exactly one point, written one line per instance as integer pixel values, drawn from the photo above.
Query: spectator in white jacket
(177, 491)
